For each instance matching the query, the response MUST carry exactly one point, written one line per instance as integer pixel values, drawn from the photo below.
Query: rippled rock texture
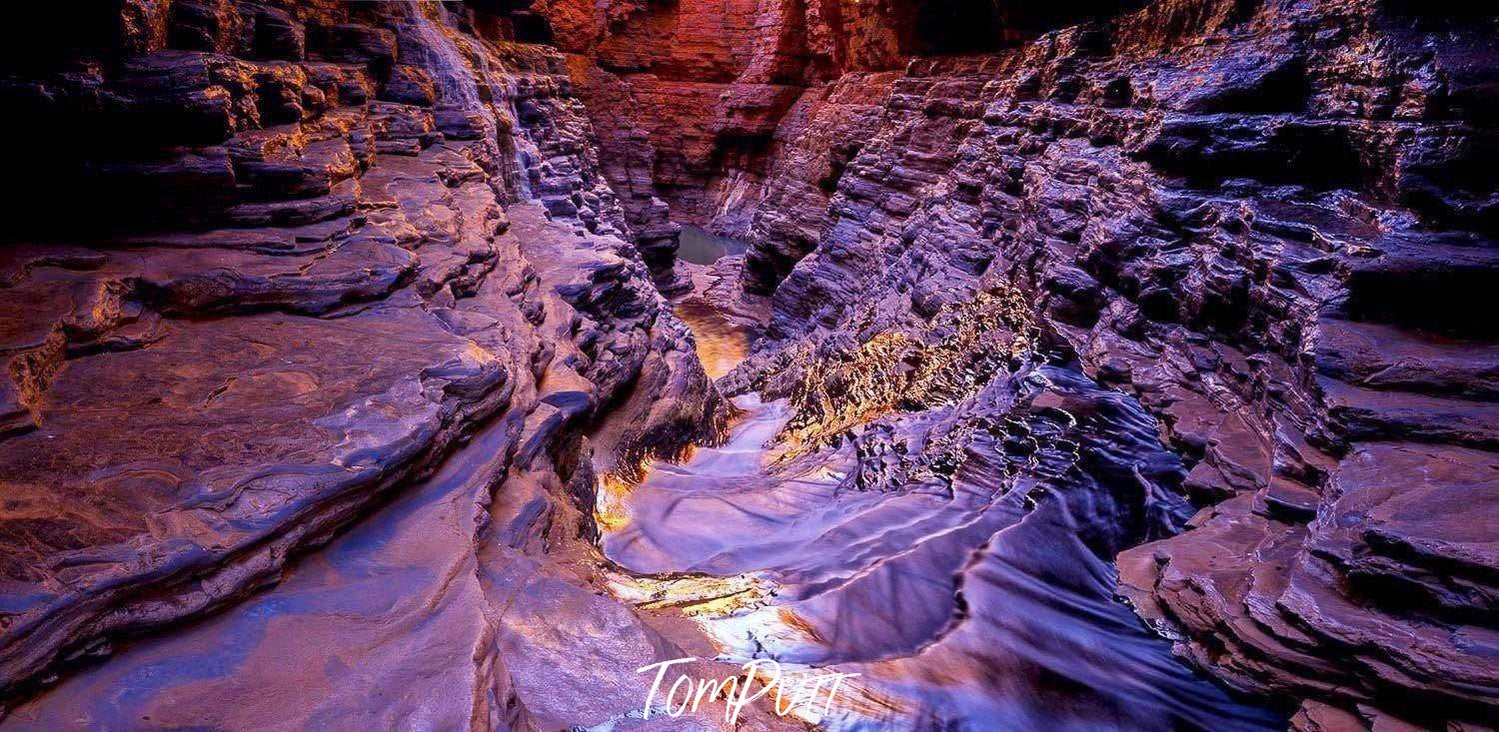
(1095, 364)
(378, 260)
(1258, 220)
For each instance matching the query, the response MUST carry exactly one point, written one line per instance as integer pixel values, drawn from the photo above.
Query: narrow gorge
(405, 364)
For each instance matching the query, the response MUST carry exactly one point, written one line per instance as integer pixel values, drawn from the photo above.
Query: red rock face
(334, 288)
(706, 84)
(354, 348)
(724, 92)
(709, 85)
(1214, 206)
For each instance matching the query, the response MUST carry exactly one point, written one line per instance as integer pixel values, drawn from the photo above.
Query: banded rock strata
(404, 262)
(1263, 220)
(375, 234)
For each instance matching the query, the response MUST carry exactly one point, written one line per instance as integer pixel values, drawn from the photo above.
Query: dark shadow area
(511, 19)
(1440, 283)
(944, 27)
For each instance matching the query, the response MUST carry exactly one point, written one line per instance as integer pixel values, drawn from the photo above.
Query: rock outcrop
(351, 344)
(1255, 218)
(368, 235)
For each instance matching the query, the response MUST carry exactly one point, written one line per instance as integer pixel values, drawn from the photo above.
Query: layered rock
(1254, 218)
(688, 97)
(708, 103)
(371, 234)
(1028, 296)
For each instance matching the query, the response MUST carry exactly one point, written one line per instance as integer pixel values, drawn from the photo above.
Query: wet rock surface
(980, 594)
(465, 600)
(1106, 365)
(371, 314)
(1217, 209)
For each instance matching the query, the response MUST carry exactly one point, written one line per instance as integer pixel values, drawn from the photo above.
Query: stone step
(1388, 358)
(1370, 415)
(1412, 519)
(1439, 282)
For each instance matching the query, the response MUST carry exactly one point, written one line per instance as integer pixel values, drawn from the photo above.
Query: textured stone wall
(310, 251)
(1261, 219)
(307, 251)
(724, 92)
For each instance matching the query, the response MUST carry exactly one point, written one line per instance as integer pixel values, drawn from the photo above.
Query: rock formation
(375, 235)
(353, 347)
(1250, 218)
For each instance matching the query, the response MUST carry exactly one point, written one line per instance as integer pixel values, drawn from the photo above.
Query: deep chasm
(1092, 364)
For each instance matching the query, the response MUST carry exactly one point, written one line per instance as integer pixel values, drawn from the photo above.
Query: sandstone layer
(348, 301)
(1265, 221)
(1098, 364)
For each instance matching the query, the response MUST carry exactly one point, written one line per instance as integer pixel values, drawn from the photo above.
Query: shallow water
(720, 344)
(987, 603)
(984, 604)
(699, 246)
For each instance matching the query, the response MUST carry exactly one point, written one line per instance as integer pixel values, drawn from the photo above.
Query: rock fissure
(1102, 364)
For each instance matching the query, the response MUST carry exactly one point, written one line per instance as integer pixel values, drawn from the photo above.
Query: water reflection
(720, 344)
(983, 603)
(699, 246)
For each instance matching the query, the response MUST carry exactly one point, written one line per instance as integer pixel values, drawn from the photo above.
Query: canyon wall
(1270, 223)
(314, 252)
(703, 100)
(401, 267)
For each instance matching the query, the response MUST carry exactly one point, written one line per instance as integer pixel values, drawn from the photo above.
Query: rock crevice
(353, 343)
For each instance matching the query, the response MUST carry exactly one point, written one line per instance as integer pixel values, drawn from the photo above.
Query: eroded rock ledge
(1252, 218)
(346, 293)
(334, 254)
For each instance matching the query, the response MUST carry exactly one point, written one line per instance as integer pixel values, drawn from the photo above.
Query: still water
(700, 246)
